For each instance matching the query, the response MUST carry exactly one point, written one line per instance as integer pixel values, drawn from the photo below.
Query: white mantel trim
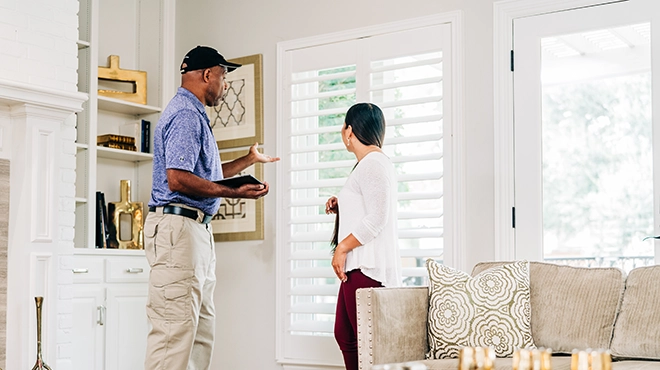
(12, 93)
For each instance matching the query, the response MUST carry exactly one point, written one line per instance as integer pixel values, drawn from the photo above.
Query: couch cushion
(635, 365)
(637, 329)
(572, 307)
(491, 309)
(558, 363)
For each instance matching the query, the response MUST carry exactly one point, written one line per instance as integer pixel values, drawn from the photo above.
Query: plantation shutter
(406, 74)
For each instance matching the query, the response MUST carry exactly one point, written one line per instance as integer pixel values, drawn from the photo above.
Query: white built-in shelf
(80, 147)
(123, 155)
(82, 44)
(126, 107)
(81, 200)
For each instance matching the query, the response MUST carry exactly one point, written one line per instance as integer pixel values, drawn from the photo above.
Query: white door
(88, 326)
(587, 171)
(127, 326)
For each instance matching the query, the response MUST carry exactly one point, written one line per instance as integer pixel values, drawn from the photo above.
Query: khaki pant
(181, 253)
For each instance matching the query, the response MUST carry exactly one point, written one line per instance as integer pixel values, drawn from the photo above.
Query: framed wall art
(238, 120)
(240, 219)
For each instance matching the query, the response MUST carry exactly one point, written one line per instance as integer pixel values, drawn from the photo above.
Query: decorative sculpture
(40, 365)
(137, 78)
(125, 207)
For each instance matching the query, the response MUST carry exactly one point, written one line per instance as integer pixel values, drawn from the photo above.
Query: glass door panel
(586, 160)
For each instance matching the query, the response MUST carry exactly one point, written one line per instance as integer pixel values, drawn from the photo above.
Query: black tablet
(237, 181)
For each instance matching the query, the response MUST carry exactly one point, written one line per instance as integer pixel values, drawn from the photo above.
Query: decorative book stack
(117, 142)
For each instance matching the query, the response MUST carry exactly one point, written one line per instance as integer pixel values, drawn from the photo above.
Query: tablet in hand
(237, 181)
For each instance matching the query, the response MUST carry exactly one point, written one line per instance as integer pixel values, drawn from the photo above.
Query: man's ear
(206, 75)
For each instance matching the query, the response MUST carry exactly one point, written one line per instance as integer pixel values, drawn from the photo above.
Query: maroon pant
(346, 315)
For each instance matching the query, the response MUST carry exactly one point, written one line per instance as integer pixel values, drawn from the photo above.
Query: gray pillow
(637, 328)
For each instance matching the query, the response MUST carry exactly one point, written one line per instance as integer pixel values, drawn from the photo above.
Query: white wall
(38, 42)
(38, 76)
(245, 295)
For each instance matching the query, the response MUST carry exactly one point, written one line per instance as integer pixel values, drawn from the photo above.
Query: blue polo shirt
(183, 140)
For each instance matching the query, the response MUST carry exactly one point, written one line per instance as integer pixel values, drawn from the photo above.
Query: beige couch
(572, 308)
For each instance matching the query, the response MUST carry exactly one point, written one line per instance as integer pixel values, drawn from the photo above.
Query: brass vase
(126, 207)
(40, 365)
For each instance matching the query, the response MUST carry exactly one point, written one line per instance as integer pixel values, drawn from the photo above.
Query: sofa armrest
(391, 325)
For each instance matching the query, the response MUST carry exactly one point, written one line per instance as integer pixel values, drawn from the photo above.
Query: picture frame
(238, 120)
(240, 219)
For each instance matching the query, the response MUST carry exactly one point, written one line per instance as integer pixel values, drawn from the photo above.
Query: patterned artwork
(491, 309)
(239, 219)
(238, 120)
(233, 208)
(231, 112)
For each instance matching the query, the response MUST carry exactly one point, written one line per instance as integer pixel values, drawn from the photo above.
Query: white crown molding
(12, 93)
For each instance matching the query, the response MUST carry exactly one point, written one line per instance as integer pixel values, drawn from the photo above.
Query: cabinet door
(127, 326)
(88, 327)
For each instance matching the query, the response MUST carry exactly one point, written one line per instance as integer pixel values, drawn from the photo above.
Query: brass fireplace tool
(40, 365)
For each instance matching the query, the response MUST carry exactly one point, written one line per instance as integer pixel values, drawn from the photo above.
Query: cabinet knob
(80, 271)
(135, 270)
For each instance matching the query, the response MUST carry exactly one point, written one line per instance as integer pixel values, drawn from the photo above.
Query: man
(178, 236)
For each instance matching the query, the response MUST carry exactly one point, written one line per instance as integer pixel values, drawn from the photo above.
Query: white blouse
(367, 209)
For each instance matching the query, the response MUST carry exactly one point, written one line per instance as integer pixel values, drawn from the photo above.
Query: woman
(365, 236)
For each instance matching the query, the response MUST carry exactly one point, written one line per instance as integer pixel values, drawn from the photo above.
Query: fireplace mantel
(37, 136)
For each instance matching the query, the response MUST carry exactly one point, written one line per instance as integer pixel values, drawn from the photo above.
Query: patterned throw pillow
(489, 310)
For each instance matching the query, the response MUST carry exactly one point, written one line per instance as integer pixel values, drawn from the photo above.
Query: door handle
(101, 318)
(135, 270)
(652, 237)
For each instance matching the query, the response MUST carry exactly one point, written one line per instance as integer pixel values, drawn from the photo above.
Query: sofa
(571, 308)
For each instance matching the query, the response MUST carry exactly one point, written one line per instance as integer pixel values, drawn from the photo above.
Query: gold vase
(40, 365)
(119, 212)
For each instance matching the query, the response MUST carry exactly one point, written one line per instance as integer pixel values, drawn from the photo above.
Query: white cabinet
(88, 338)
(109, 310)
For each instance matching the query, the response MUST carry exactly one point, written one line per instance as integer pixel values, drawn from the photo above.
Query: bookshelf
(112, 283)
(136, 31)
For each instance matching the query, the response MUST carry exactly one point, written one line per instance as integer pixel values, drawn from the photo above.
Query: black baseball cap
(203, 57)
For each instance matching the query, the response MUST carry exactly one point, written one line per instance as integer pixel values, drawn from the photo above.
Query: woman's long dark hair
(368, 123)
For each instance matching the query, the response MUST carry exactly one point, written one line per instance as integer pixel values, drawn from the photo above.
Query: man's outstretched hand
(260, 157)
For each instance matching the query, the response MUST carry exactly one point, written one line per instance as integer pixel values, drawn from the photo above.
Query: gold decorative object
(476, 358)
(40, 365)
(137, 78)
(599, 359)
(532, 359)
(123, 209)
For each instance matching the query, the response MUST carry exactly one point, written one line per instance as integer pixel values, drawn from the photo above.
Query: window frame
(455, 199)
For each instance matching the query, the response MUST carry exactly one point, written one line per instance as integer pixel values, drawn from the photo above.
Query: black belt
(185, 212)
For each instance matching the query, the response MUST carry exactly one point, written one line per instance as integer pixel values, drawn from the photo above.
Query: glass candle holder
(476, 358)
(590, 359)
(532, 359)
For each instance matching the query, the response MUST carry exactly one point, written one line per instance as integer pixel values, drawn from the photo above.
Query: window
(407, 73)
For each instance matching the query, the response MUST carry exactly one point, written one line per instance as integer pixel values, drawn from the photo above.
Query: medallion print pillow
(491, 309)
